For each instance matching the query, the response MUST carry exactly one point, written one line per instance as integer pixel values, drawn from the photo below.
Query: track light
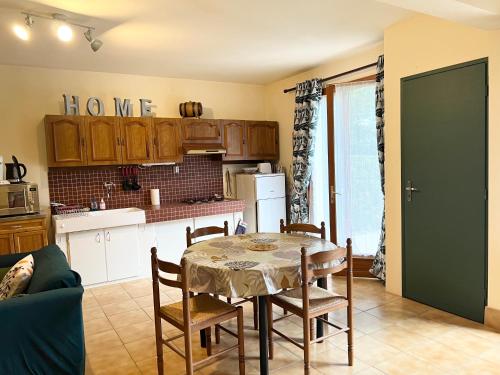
(64, 31)
(95, 44)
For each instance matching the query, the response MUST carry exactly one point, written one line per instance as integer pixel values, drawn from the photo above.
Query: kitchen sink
(98, 219)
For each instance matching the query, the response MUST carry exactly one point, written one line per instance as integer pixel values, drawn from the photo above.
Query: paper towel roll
(155, 197)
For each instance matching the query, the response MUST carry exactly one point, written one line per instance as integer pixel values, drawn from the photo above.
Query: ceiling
(256, 41)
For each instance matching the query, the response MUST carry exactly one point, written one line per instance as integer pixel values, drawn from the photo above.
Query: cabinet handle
(16, 226)
(147, 150)
(155, 141)
(98, 238)
(123, 141)
(82, 141)
(108, 236)
(118, 141)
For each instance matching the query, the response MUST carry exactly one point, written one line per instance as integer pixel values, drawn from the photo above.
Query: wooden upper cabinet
(200, 131)
(262, 140)
(234, 139)
(137, 143)
(65, 140)
(166, 140)
(103, 140)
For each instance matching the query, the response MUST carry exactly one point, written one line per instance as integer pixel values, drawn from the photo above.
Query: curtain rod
(338, 75)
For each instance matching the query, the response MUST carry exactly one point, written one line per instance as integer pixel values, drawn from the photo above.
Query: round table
(248, 265)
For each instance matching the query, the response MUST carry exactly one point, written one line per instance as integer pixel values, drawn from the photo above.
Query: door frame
(361, 264)
(486, 165)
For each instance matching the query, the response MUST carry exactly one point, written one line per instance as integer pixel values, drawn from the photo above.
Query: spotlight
(22, 32)
(95, 44)
(64, 33)
(28, 20)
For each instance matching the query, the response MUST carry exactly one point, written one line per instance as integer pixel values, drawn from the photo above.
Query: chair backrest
(158, 265)
(304, 228)
(310, 270)
(206, 231)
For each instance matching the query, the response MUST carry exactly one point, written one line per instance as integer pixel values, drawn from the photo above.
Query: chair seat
(203, 307)
(319, 298)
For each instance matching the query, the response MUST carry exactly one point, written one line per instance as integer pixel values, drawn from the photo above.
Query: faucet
(108, 185)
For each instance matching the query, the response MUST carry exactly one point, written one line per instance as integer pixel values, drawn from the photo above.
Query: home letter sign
(145, 107)
(123, 109)
(71, 107)
(91, 103)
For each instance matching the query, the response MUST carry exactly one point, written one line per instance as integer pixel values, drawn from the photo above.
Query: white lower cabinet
(214, 221)
(105, 255)
(171, 239)
(88, 256)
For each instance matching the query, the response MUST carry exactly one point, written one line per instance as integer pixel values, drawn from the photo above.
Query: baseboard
(492, 317)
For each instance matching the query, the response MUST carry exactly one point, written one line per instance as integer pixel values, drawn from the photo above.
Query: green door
(444, 180)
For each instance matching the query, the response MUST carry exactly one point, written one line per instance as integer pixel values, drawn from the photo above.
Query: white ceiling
(256, 41)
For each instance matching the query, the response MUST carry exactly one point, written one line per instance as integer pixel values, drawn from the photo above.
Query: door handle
(410, 189)
(98, 237)
(108, 237)
(333, 193)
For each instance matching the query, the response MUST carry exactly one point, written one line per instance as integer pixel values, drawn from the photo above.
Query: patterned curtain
(378, 267)
(307, 98)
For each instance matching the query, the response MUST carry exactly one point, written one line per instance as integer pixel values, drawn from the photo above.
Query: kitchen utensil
(134, 181)
(250, 170)
(13, 171)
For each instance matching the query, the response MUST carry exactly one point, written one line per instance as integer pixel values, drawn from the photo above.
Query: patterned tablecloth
(249, 265)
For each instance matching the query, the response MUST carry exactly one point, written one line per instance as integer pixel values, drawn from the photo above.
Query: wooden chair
(193, 313)
(304, 228)
(310, 302)
(201, 232)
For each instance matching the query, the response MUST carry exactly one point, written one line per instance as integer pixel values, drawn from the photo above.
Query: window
(359, 203)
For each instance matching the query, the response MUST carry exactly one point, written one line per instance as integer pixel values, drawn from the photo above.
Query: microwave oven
(19, 199)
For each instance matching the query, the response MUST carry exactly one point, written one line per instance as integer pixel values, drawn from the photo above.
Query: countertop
(40, 215)
(177, 211)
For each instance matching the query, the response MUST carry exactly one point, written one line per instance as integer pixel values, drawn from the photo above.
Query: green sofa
(42, 331)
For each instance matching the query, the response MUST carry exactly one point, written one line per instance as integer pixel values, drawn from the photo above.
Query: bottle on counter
(102, 205)
(94, 206)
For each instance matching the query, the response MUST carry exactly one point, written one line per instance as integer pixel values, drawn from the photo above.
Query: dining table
(252, 265)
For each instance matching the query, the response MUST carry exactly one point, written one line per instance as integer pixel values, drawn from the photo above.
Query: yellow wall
(415, 46)
(280, 106)
(27, 94)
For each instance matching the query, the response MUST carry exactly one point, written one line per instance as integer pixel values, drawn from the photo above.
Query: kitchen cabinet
(200, 131)
(234, 139)
(103, 140)
(262, 140)
(166, 140)
(104, 254)
(19, 236)
(65, 141)
(87, 256)
(136, 140)
(6, 244)
(171, 239)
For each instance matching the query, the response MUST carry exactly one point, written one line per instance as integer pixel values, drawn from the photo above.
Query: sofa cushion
(17, 278)
(51, 271)
(3, 271)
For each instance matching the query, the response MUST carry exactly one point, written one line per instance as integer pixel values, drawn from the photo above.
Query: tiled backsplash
(199, 176)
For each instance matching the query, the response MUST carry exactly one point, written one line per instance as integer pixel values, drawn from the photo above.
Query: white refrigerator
(264, 195)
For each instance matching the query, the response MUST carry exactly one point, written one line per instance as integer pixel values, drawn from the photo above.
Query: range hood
(203, 148)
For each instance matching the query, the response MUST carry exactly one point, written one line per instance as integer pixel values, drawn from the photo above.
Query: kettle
(13, 171)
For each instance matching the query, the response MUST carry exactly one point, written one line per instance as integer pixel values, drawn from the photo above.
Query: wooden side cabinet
(262, 140)
(166, 140)
(234, 139)
(19, 236)
(65, 140)
(103, 140)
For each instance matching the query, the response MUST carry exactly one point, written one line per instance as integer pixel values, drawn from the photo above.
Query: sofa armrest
(42, 333)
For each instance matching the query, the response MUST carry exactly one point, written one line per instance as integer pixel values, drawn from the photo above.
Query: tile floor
(393, 336)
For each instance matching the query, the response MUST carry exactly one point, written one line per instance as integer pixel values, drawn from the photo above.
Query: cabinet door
(103, 140)
(65, 140)
(234, 139)
(30, 241)
(122, 252)
(171, 239)
(262, 140)
(136, 140)
(201, 131)
(6, 244)
(87, 254)
(167, 142)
